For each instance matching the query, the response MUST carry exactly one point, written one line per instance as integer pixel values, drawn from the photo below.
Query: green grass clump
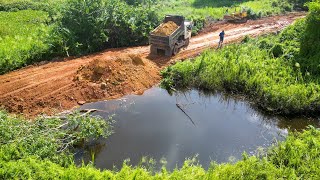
(272, 71)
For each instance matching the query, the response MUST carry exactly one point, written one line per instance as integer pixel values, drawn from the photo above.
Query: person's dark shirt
(221, 35)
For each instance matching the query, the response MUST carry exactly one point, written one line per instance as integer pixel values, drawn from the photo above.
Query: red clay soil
(53, 87)
(166, 29)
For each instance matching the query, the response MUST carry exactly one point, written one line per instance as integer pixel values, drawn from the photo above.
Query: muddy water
(218, 128)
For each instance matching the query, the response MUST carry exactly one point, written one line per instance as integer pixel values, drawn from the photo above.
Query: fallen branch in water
(178, 105)
(63, 115)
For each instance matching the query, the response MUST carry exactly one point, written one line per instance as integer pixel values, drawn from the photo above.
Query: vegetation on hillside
(42, 149)
(279, 73)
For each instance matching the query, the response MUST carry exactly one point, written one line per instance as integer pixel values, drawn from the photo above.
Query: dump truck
(236, 17)
(170, 36)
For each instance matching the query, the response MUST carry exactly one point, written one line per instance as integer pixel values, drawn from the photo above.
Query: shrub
(48, 138)
(245, 39)
(277, 50)
(90, 26)
(310, 41)
(265, 44)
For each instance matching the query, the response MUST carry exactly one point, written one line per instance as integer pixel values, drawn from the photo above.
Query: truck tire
(153, 50)
(187, 42)
(175, 50)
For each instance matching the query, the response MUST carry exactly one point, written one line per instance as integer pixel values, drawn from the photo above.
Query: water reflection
(218, 127)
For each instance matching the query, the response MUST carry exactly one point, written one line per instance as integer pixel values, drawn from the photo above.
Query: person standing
(221, 39)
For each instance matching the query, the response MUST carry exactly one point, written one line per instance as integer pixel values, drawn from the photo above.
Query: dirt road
(56, 86)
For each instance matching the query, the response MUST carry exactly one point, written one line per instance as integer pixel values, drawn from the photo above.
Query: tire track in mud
(50, 87)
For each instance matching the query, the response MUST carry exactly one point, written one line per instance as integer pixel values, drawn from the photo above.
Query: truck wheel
(153, 50)
(175, 50)
(187, 42)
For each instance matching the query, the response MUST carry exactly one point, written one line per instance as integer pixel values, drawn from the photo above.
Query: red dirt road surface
(57, 86)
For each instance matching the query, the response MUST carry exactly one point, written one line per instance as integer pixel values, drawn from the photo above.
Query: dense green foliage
(48, 138)
(310, 43)
(90, 26)
(32, 150)
(272, 70)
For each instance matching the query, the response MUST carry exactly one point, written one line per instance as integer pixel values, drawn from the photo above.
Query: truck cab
(188, 25)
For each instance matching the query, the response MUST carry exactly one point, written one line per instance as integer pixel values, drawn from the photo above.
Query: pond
(215, 127)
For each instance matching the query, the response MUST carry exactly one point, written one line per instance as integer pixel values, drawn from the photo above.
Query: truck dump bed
(163, 39)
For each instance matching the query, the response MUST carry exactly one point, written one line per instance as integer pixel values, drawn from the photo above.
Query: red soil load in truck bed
(165, 29)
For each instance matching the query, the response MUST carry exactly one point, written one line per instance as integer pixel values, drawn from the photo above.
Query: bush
(48, 138)
(251, 14)
(277, 50)
(265, 44)
(245, 39)
(90, 26)
(310, 45)
(198, 24)
(310, 41)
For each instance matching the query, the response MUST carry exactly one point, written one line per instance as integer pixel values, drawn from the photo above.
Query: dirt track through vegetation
(56, 86)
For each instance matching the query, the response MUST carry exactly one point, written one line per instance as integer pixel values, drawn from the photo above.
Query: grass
(16, 5)
(25, 37)
(30, 150)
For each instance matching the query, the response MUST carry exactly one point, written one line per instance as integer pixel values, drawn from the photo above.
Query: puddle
(218, 128)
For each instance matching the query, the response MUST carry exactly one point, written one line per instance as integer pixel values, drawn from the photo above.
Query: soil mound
(166, 29)
(124, 74)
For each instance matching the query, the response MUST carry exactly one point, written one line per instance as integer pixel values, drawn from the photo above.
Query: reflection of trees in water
(185, 97)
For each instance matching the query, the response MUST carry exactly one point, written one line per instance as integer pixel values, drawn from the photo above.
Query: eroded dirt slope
(56, 86)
